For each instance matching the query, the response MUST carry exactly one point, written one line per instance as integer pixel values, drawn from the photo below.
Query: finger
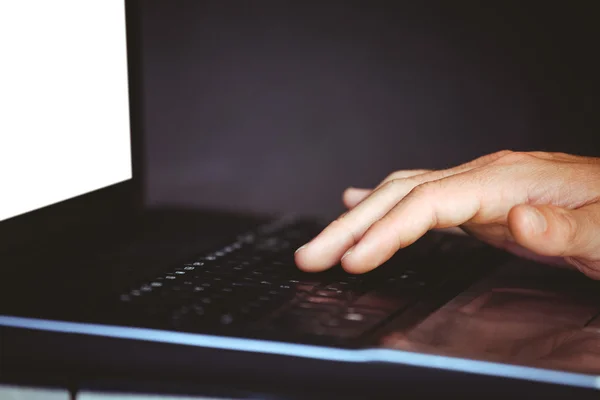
(327, 248)
(439, 204)
(352, 196)
(554, 231)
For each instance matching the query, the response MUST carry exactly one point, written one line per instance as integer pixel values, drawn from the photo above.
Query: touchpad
(526, 291)
(523, 313)
(533, 305)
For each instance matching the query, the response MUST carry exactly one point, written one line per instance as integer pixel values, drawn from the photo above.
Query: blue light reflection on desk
(308, 351)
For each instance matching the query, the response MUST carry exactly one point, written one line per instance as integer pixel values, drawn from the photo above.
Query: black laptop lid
(70, 125)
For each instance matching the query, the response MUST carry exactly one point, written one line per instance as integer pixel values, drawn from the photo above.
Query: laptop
(94, 281)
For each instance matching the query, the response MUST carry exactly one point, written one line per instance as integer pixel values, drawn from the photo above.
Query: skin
(534, 204)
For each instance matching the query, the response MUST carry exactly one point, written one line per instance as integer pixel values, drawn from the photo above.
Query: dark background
(279, 105)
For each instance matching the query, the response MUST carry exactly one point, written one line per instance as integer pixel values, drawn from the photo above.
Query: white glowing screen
(64, 106)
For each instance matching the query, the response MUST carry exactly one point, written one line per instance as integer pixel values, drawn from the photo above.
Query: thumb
(554, 231)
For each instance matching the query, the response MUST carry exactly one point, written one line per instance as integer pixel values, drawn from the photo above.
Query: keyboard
(251, 287)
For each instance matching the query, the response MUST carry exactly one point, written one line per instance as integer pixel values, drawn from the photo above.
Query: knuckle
(391, 184)
(488, 158)
(496, 156)
(384, 227)
(515, 157)
(501, 153)
(543, 154)
(387, 229)
(395, 176)
(390, 176)
(427, 189)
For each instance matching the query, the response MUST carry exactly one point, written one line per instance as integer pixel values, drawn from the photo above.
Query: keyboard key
(325, 300)
(338, 286)
(226, 319)
(354, 316)
(247, 285)
(329, 293)
(301, 287)
(381, 302)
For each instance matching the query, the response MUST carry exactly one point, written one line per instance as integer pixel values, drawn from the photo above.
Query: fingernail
(300, 248)
(346, 254)
(537, 220)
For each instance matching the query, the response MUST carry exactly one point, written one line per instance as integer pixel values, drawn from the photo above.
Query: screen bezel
(117, 203)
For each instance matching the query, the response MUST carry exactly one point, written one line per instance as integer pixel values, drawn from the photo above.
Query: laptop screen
(64, 106)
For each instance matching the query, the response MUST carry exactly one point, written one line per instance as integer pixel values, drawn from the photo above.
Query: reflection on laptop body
(79, 254)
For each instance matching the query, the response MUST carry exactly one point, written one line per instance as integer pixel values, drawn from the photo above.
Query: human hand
(545, 203)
